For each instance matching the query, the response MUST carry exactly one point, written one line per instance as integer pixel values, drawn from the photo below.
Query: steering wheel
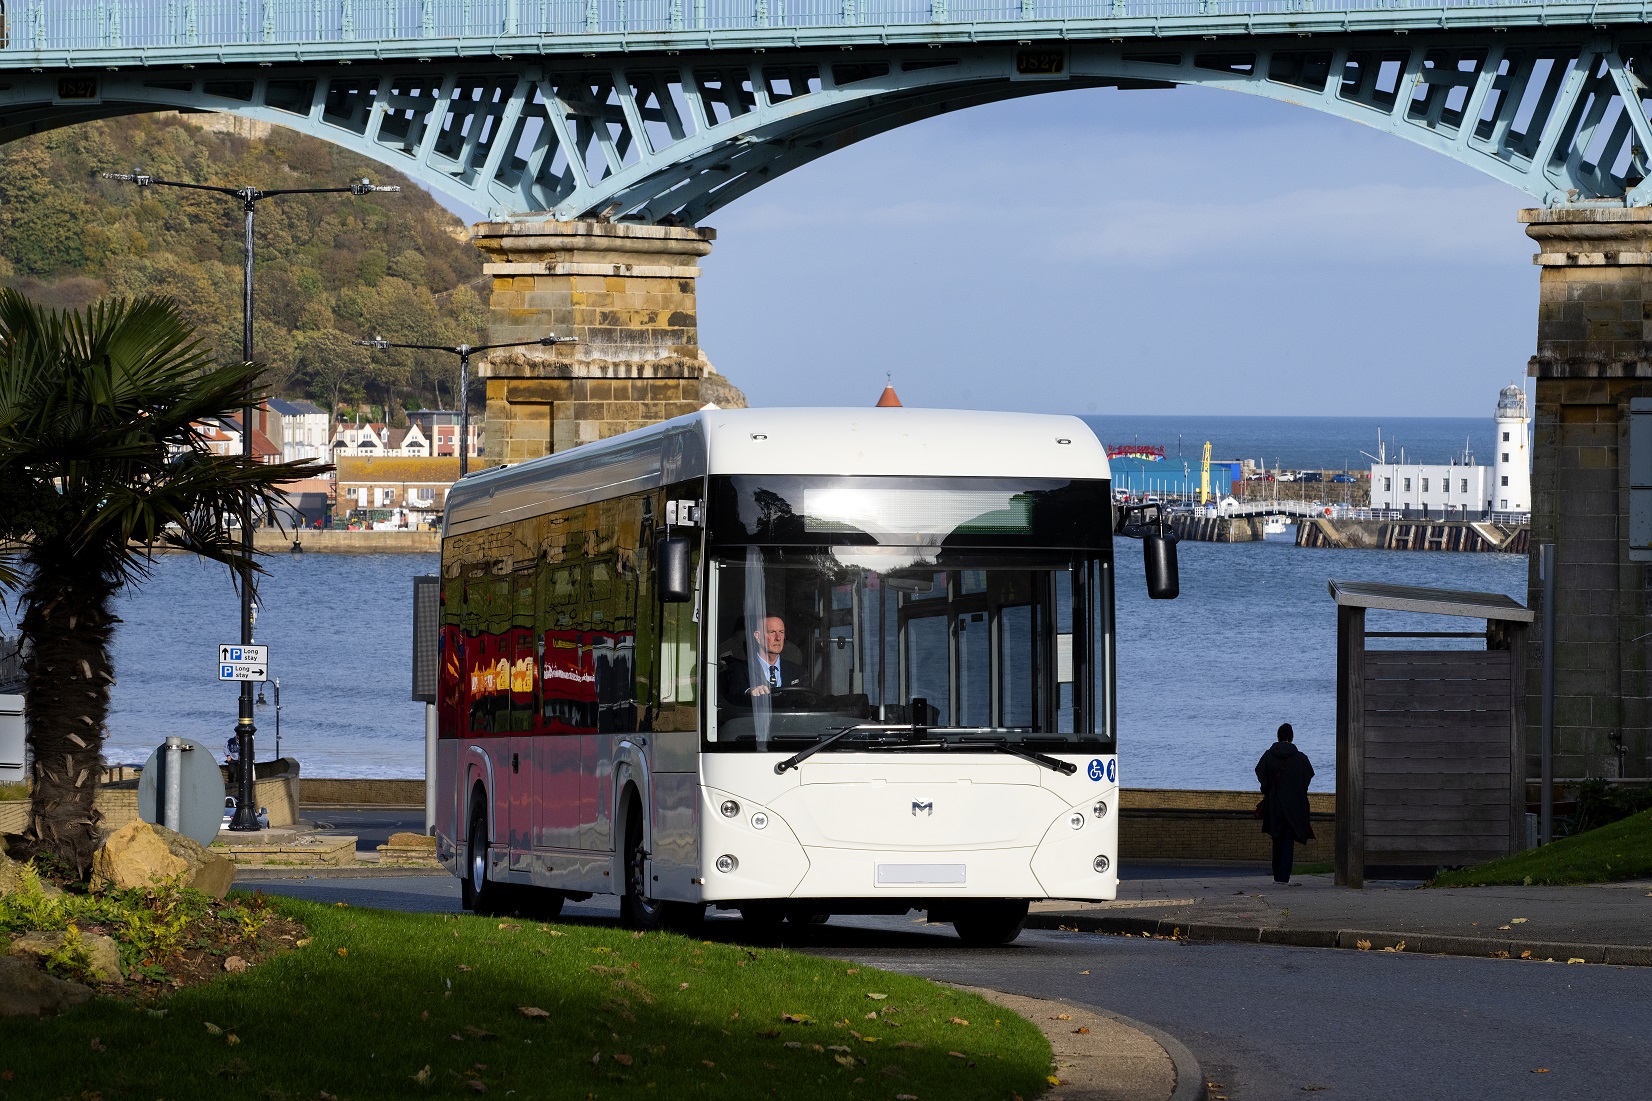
(794, 698)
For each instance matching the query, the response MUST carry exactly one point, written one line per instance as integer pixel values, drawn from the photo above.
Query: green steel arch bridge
(663, 111)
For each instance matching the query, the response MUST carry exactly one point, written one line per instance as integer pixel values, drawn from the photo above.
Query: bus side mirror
(676, 581)
(1158, 550)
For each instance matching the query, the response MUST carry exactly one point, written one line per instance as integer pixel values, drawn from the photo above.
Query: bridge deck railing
(135, 24)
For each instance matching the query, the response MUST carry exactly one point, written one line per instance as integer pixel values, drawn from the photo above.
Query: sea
(1204, 680)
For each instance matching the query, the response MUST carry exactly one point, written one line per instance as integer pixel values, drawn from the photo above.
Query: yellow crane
(1204, 477)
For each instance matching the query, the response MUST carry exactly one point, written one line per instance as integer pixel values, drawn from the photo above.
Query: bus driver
(744, 679)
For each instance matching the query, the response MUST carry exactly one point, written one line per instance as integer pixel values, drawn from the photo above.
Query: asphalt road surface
(1267, 1023)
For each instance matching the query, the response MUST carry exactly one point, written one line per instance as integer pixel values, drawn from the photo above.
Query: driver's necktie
(774, 676)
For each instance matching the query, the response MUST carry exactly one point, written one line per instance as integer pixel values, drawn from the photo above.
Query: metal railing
(33, 25)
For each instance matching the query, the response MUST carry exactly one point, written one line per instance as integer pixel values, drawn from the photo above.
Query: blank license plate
(900, 875)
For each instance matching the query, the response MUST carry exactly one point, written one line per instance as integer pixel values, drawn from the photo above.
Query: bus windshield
(892, 626)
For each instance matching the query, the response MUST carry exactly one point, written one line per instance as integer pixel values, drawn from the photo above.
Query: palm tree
(101, 461)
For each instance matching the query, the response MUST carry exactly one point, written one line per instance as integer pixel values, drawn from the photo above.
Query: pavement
(1608, 923)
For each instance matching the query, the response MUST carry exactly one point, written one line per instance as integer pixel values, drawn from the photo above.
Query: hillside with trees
(330, 268)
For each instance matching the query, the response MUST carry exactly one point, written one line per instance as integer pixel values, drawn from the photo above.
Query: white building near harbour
(1465, 489)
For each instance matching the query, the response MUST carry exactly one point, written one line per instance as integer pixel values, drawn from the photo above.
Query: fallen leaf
(957, 1055)
(877, 997)
(343, 952)
(1577, 959)
(959, 1021)
(479, 1033)
(302, 941)
(1540, 1070)
(844, 1060)
(1083, 972)
(793, 1043)
(910, 1045)
(906, 1097)
(97, 1045)
(1362, 944)
(212, 1029)
(1503, 928)
(341, 905)
(235, 965)
(797, 1018)
(856, 970)
(1052, 1080)
(597, 1058)
(816, 1048)
(232, 1039)
(476, 1085)
(531, 1011)
(1081, 1031)
(464, 967)
(1526, 955)
(1517, 921)
(323, 1094)
(836, 1047)
(511, 926)
(623, 1059)
(1063, 1016)
(872, 1016)
(682, 986)
(1400, 947)
(708, 1062)
(423, 1077)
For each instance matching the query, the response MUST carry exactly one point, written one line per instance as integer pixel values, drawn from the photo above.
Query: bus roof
(827, 441)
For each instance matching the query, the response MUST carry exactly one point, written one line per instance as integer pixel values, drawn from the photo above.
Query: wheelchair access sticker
(1098, 769)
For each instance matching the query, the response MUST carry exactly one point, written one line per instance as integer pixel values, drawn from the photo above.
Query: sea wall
(1476, 536)
(1164, 824)
(1216, 529)
(339, 541)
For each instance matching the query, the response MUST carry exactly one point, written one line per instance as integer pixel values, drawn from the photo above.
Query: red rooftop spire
(888, 399)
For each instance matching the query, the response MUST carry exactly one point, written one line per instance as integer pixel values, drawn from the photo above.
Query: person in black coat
(741, 680)
(1284, 772)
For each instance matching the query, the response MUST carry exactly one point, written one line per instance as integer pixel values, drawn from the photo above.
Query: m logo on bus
(925, 805)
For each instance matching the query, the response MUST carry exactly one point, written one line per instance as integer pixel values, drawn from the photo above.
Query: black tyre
(637, 909)
(990, 922)
(478, 893)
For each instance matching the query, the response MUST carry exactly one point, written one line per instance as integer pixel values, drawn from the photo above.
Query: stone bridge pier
(1594, 354)
(627, 293)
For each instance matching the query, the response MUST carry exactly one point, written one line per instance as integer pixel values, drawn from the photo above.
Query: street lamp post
(464, 352)
(246, 811)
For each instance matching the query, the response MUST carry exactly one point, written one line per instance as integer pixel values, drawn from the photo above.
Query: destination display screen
(1054, 513)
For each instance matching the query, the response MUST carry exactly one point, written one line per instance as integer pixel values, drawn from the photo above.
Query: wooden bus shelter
(1431, 757)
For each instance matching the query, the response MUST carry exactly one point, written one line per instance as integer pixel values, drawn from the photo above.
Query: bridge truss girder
(670, 138)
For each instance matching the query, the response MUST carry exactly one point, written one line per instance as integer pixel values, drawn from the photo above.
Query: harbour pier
(1474, 536)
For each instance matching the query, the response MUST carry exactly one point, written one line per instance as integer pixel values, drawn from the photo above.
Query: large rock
(141, 853)
(27, 991)
(105, 953)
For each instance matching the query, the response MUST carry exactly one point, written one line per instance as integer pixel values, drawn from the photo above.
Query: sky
(1186, 251)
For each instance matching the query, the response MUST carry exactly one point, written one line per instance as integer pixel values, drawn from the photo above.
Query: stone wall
(626, 293)
(1594, 353)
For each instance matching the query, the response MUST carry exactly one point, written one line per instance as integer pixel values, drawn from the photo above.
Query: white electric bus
(797, 662)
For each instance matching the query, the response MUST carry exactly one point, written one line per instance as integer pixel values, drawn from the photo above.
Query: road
(1267, 1023)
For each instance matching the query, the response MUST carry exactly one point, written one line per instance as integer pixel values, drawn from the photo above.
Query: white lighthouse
(1511, 481)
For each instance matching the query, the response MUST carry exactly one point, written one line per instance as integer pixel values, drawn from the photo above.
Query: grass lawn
(382, 1004)
(1621, 850)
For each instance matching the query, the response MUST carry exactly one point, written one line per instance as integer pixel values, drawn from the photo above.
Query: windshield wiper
(1066, 768)
(831, 739)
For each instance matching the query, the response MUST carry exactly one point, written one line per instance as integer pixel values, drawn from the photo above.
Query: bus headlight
(759, 821)
(1076, 819)
(1101, 864)
(727, 863)
(1101, 809)
(730, 808)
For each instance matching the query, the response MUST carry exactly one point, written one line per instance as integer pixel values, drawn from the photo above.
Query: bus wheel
(478, 893)
(989, 922)
(637, 910)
